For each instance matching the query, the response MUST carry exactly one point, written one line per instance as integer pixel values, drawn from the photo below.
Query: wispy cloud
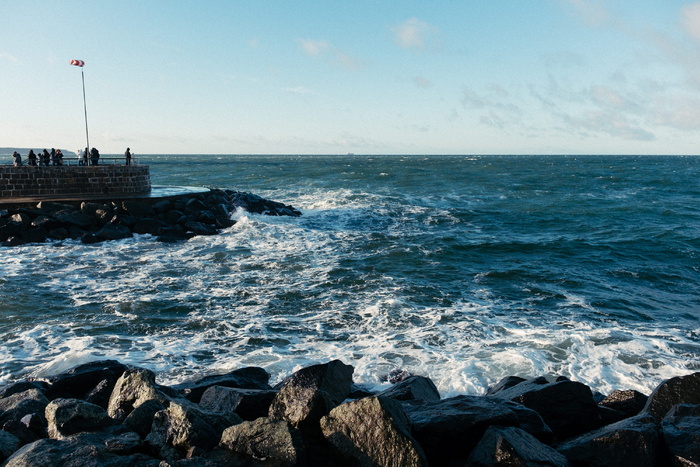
(6, 56)
(323, 49)
(690, 19)
(591, 12)
(414, 34)
(422, 82)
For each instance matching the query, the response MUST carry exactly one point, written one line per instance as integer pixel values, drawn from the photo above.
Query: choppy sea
(465, 269)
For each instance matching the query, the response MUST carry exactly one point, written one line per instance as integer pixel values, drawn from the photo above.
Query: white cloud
(5, 56)
(422, 82)
(591, 12)
(690, 19)
(314, 47)
(323, 48)
(412, 34)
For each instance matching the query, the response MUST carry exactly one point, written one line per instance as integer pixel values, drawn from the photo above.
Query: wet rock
(510, 446)
(138, 208)
(311, 393)
(264, 439)
(86, 449)
(184, 426)
(631, 442)
(113, 232)
(9, 443)
(52, 206)
(628, 402)
(417, 388)
(75, 218)
(67, 417)
(132, 389)
(243, 378)
(373, 432)
(449, 429)
(93, 381)
(149, 226)
(680, 430)
(22, 431)
(89, 239)
(141, 418)
(200, 228)
(567, 407)
(16, 406)
(249, 404)
(21, 386)
(505, 383)
(678, 390)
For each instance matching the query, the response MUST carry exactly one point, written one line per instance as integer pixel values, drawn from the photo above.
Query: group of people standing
(55, 157)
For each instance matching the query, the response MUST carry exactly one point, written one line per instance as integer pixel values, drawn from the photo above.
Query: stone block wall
(41, 181)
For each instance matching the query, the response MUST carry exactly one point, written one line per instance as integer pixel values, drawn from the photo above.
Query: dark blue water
(465, 269)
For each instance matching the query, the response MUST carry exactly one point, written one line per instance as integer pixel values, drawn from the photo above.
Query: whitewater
(465, 269)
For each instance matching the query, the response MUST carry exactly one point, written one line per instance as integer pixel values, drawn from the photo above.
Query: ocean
(465, 269)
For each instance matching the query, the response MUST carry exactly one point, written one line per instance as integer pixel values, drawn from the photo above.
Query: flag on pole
(79, 63)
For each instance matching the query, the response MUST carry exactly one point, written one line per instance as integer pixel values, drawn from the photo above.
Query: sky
(360, 76)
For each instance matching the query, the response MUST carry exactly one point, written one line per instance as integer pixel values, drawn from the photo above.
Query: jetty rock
(170, 220)
(109, 413)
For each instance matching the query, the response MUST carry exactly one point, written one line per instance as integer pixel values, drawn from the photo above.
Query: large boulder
(629, 402)
(249, 404)
(243, 378)
(373, 432)
(680, 430)
(678, 390)
(311, 393)
(67, 417)
(9, 443)
(132, 389)
(417, 388)
(84, 450)
(449, 429)
(92, 382)
(264, 439)
(113, 232)
(16, 406)
(140, 420)
(184, 426)
(567, 407)
(631, 442)
(510, 446)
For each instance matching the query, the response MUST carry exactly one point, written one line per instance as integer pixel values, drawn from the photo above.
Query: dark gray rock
(200, 228)
(334, 378)
(631, 442)
(184, 426)
(510, 446)
(52, 206)
(141, 418)
(505, 383)
(628, 402)
(93, 381)
(16, 406)
(74, 218)
(264, 439)
(89, 239)
(373, 431)
(243, 378)
(138, 208)
(449, 429)
(21, 386)
(417, 388)
(113, 232)
(22, 431)
(678, 390)
(67, 417)
(567, 407)
(249, 404)
(531, 421)
(9, 444)
(132, 389)
(84, 450)
(149, 226)
(680, 430)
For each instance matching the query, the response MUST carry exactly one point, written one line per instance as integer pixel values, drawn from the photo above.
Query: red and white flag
(77, 62)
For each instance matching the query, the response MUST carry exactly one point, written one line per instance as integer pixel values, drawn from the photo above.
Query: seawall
(68, 181)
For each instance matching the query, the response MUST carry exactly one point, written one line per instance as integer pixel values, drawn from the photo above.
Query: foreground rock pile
(170, 220)
(105, 413)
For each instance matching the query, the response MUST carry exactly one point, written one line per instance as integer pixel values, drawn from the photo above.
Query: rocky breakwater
(170, 220)
(107, 413)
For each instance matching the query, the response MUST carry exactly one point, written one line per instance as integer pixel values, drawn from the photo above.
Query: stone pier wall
(31, 181)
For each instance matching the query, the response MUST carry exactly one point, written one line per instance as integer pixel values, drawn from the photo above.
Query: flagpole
(87, 138)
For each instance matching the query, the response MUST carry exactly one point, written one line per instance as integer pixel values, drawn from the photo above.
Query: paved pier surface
(157, 192)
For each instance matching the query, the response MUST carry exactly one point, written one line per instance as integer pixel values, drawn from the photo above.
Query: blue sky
(368, 77)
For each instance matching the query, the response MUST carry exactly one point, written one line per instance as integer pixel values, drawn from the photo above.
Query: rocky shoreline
(107, 413)
(170, 220)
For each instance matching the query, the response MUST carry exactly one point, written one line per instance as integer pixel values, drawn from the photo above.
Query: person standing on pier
(31, 158)
(18, 159)
(127, 155)
(94, 156)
